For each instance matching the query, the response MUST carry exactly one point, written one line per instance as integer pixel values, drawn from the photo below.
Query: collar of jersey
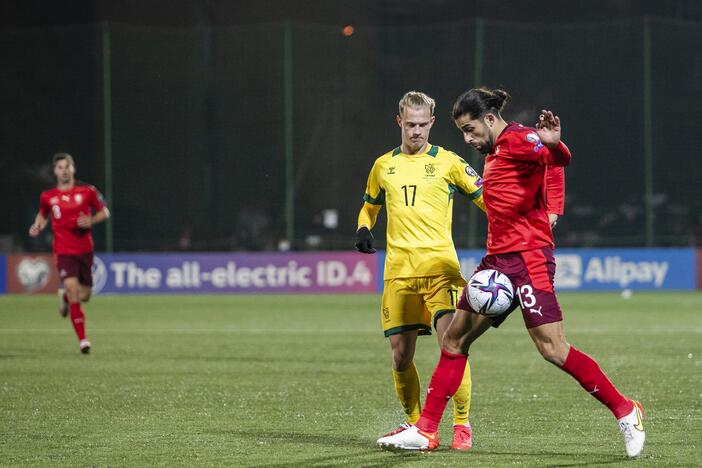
(432, 151)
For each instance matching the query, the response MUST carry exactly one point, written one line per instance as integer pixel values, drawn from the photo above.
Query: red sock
(588, 373)
(78, 320)
(65, 297)
(444, 383)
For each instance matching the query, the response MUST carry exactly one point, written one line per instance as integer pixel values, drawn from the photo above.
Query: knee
(401, 359)
(553, 352)
(73, 294)
(85, 296)
(455, 345)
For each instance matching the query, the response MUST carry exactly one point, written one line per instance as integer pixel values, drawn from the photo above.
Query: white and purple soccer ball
(490, 292)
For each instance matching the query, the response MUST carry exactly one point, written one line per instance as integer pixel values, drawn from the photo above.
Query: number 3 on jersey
(409, 199)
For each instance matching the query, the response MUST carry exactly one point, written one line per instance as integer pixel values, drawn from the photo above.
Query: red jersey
(516, 178)
(65, 206)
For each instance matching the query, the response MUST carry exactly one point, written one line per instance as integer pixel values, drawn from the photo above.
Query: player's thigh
(533, 285)
(71, 284)
(84, 264)
(72, 288)
(402, 308)
(465, 327)
(85, 269)
(442, 324)
(68, 266)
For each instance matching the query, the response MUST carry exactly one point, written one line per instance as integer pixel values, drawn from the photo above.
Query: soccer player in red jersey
(520, 245)
(74, 207)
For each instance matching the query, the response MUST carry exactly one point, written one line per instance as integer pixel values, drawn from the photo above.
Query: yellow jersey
(417, 191)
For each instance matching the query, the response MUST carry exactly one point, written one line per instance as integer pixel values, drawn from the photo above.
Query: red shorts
(76, 266)
(531, 273)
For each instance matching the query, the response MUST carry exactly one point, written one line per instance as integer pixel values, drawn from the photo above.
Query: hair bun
(501, 98)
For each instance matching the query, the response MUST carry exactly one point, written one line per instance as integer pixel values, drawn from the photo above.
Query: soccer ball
(490, 292)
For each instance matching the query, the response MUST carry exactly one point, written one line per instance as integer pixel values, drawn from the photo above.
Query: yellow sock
(461, 399)
(407, 389)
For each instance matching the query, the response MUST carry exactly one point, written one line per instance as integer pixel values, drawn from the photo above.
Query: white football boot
(84, 346)
(403, 427)
(411, 439)
(631, 427)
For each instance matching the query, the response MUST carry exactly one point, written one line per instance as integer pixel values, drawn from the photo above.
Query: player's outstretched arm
(38, 225)
(549, 128)
(554, 151)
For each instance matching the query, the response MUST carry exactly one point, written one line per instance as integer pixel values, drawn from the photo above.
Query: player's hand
(34, 230)
(549, 128)
(364, 241)
(84, 221)
(552, 219)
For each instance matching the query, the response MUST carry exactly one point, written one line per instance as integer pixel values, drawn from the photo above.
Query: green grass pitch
(278, 381)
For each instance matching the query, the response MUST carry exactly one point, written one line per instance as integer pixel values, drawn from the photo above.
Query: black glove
(364, 241)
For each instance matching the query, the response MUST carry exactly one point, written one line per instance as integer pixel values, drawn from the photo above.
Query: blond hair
(416, 99)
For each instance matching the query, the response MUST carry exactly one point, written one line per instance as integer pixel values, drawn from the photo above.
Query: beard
(487, 147)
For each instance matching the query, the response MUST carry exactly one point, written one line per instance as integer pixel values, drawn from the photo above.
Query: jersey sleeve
(526, 145)
(96, 200)
(466, 181)
(555, 190)
(44, 206)
(558, 156)
(375, 194)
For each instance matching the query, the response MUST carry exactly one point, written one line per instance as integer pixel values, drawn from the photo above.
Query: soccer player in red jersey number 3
(520, 245)
(74, 207)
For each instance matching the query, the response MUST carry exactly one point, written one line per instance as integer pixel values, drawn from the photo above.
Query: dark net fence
(260, 137)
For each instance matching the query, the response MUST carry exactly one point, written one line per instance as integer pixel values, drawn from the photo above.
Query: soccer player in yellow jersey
(417, 182)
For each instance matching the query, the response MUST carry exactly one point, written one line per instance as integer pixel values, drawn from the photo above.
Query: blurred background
(245, 126)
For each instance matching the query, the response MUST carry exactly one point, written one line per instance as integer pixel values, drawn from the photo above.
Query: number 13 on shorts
(527, 299)
(539, 307)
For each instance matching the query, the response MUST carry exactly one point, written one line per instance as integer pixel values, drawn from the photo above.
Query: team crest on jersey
(391, 170)
(533, 138)
(78, 197)
(430, 168)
